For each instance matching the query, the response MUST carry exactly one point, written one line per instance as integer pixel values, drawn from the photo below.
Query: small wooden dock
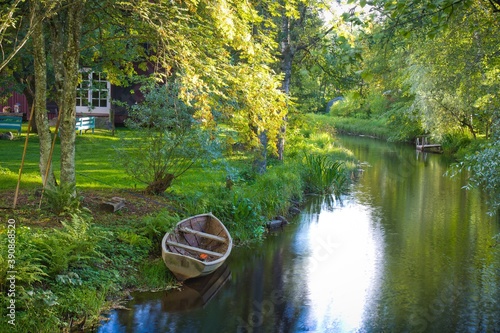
(422, 144)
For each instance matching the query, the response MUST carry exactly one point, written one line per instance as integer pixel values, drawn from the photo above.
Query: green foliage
(241, 215)
(71, 279)
(402, 125)
(62, 199)
(350, 106)
(368, 127)
(330, 66)
(412, 17)
(276, 189)
(153, 227)
(167, 140)
(378, 104)
(81, 302)
(324, 175)
(75, 245)
(452, 143)
(484, 168)
(28, 257)
(138, 241)
(245, 207)
(38, 312)
(155, 275)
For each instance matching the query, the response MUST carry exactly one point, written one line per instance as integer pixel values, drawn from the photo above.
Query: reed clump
(324, 175)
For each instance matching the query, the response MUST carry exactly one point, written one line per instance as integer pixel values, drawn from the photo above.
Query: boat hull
(177, 247)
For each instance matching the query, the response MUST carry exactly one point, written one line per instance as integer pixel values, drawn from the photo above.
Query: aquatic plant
(324, 175)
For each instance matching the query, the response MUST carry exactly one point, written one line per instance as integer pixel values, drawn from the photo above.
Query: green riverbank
(73, 260)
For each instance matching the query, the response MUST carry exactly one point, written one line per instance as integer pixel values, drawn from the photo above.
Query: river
(408, 250)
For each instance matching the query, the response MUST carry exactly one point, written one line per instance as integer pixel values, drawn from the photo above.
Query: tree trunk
(286, 68)
(260, 162)
(40, 101)
(66, 35)
(160, 184)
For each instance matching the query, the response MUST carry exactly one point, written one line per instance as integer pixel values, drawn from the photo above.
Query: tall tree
(40, 99)
(279, 21)
(450, 74)
(66, 32)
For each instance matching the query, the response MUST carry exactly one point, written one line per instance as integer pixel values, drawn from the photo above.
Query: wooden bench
(11, 123)
(84, 124)
(203, 234)
(194, 249)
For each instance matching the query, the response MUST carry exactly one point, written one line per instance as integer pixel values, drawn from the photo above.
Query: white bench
(84, 124)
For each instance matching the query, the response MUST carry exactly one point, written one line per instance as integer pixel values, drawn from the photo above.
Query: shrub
(28, 258)
(350, 106)
(80, 302)
(452, 143)
(240, 214)
(402, 125)
(484, 169)
(167, 140)
(37, 312)
(155, 226)
(377, 104)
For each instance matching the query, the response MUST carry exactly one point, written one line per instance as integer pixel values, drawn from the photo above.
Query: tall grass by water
(324, 175)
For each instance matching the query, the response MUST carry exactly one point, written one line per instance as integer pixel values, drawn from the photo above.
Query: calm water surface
(407, 251)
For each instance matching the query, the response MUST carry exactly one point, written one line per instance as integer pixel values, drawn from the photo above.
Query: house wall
(17, 98)
(25, 108)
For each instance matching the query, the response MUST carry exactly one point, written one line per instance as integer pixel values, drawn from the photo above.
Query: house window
(93, 94)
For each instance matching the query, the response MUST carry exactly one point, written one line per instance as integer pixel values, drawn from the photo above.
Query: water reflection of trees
(439, 269)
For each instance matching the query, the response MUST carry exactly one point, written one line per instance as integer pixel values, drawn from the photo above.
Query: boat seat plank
(195, 249)
(204, 235)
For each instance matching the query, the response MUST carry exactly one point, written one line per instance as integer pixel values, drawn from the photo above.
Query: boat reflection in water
(196, 293)
(161, 312)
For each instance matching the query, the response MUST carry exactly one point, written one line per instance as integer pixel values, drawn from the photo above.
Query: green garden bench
(11, 123)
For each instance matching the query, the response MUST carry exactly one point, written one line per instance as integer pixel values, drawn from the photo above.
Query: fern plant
(76, 243)
(28, 262)
(62, 199)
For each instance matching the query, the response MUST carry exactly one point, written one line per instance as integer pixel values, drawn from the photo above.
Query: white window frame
(90, 91)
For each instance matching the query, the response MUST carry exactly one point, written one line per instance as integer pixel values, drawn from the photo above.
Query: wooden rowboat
(196, 247)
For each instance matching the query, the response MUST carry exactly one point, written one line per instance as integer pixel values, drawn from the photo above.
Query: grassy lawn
(97, 167)
(95, 162)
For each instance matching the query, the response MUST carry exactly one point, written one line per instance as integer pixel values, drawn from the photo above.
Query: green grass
(95, 162)
(376, 127)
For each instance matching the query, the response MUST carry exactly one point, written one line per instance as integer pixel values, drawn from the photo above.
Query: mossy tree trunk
(66, 34)
(40, 100)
